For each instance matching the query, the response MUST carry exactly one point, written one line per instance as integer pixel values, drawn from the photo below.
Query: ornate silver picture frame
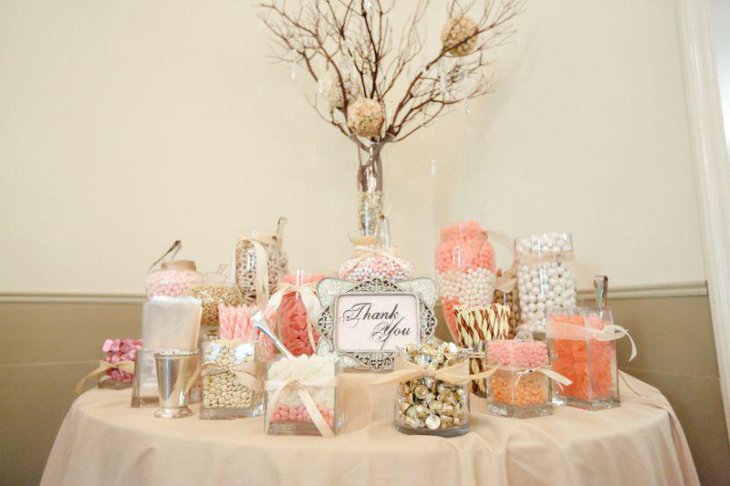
(360, 300)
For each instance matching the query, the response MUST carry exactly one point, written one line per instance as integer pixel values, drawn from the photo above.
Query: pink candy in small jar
(294, 309)
(465, 265)
(122, 353)
(174, 279)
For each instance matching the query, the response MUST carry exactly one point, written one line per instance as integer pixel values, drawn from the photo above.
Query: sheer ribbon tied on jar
(304, 390)
(104, 366)
(457, 374)
(307, 293)
(556, 377)
(245, 373)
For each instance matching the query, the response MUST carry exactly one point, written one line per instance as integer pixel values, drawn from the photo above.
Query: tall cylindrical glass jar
(544, 276)
(465, 266)
(260, 263)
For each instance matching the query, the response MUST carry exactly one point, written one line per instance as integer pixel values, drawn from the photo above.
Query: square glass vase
(316, 376)
(519, 393)
(579, 352)
(224, 395)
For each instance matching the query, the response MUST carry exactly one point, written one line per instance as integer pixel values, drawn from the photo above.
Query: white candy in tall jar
(544, 276)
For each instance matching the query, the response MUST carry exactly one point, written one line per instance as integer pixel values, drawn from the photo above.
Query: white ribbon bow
(553, 375)
(302, 388)
(612, 332)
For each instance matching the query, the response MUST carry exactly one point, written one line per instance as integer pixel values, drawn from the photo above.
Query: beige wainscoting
(49, 342)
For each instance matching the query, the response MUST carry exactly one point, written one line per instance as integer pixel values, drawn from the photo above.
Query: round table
(104, 441)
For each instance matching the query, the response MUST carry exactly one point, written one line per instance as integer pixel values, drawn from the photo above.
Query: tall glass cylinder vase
(370, 188)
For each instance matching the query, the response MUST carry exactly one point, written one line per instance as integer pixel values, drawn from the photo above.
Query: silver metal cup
(174, 370)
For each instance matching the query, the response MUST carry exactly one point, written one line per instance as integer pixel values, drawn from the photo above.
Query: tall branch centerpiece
(377, 88)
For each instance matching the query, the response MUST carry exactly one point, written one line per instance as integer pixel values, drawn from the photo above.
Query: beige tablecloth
(103, 441)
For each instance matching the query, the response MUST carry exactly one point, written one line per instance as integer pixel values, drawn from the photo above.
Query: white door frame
(711, 172)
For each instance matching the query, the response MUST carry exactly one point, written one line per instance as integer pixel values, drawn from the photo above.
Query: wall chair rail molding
(712, 172)
(679, 289)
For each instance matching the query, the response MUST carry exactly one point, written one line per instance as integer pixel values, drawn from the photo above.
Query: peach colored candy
(291, 318)
(587, 363)
(531, 389)
(283, 413)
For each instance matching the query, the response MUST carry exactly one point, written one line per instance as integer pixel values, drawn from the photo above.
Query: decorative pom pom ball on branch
(377, 89)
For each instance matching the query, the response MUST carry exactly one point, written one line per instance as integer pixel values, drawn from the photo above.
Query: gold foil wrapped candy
(428, 405)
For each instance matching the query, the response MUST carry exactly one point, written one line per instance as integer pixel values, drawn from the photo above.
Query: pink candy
(284, 413)
(172, 283)
(518, 354)
(120, 350)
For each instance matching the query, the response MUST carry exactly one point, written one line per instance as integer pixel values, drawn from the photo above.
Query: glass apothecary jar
(214, 292)
(428, 405)
(465, 267)
(304, 397)
(544, 276)
(173, 279)
(294, 309)
(260, 263)
(233, 373)
(521, 386)
(583, 348)
(374, 260)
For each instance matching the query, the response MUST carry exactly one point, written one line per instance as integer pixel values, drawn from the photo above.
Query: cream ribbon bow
(553, 375)
(126, 366)
(457, 374)
(363, 252)
(261, 274)
(303, 391)
(245, 374)
(310, 300)
(612, 332)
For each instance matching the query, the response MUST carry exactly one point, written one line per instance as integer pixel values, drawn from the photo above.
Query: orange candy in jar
(518, 388)
(588, 362)
(291, 319)
(465, 265)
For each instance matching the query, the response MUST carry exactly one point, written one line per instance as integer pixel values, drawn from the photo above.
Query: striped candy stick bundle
(475, 327)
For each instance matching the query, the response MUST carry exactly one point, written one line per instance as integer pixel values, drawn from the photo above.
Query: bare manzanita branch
(352, 42)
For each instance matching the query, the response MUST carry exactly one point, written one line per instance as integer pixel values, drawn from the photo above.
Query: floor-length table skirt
(104, 441)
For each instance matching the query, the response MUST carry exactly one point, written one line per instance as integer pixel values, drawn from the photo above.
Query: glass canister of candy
(506, 294)
(465, 266)
(233, 371)
(303, 396)
(583, 348)
(520, 384)
(544, 277)
(294, 309)
(216, 291)
(116, 369)
(432, 395)
(260, 263)
(174, 277)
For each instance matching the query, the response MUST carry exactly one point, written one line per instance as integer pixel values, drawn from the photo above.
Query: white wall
(720, 17)
(587, 132)
(125, 125)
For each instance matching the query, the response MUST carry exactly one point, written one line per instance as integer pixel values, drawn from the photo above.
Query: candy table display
(465, 266)
(294, 312)
(520, 386)
(544, 276)
(303, 396)
(173, 279)
(582, 353)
